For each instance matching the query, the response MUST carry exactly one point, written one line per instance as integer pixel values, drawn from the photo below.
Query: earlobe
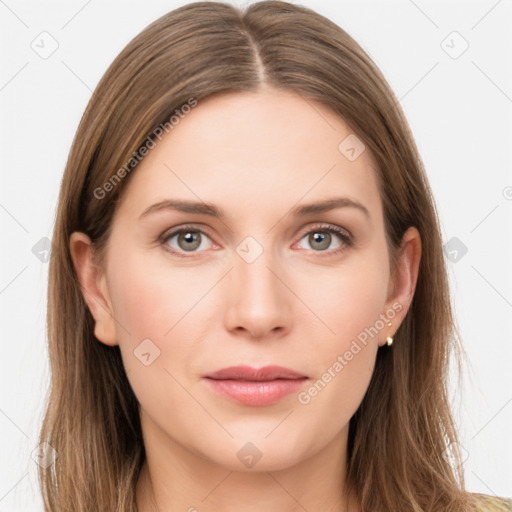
(94, 288)
(405, 280)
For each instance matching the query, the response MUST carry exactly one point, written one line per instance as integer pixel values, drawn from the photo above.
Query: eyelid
(345, 235)
(326, 226)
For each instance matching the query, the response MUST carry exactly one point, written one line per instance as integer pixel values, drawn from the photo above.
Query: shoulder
(487, 503)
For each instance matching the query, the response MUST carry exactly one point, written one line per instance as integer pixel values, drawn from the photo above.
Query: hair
(400, 434)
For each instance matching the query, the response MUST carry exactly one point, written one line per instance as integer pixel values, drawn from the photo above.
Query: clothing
(487, 503)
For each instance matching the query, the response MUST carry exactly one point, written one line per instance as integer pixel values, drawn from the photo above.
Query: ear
(402, 286)
(94, 288)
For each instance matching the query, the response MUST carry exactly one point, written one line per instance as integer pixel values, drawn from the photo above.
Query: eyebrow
(202, 208)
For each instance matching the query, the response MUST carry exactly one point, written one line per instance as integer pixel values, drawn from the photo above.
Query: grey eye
(187, 240)
(320, 239)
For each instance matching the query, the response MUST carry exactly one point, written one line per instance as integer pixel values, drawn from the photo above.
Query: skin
(256, 156)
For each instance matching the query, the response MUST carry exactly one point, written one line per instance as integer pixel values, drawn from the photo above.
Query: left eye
(321, 238)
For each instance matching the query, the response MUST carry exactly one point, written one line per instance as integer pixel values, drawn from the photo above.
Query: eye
(187, 239)
(321, 237)
(190, 239)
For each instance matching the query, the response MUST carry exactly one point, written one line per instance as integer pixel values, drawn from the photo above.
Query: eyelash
(328, 228)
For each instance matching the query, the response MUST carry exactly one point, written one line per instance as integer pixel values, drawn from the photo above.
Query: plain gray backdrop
(448, 63)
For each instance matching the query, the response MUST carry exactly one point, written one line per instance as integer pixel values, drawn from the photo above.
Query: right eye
(187, 239)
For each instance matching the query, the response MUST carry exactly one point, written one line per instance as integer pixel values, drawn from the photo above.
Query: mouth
(248, 386)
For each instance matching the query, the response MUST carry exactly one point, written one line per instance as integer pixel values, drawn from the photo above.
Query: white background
(460, 111)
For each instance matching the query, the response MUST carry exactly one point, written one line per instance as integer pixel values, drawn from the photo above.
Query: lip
(255, 387)
(262, 374)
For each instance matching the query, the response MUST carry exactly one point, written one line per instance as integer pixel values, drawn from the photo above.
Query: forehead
(249, 150)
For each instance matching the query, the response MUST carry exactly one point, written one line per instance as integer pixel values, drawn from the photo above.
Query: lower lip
(256, 393)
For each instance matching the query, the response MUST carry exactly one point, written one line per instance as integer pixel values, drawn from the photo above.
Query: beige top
(487, 503)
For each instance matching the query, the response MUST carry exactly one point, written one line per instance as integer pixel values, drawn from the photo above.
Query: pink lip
(260, 387)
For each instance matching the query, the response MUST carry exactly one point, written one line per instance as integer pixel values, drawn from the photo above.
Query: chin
(259, 454)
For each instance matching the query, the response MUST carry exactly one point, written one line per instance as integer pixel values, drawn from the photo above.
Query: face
(262, 283)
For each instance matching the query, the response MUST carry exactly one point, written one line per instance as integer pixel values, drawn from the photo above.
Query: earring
(389, 339)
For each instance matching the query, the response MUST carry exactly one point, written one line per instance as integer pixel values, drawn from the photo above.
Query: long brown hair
(399, 435)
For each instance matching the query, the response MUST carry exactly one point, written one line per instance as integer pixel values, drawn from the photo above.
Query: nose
(259, 300)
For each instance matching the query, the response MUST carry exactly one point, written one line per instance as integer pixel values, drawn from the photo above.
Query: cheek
(165, 311)
(349, 303)
(336, 394)
(152, 297)
(159, 325)
(347, 300)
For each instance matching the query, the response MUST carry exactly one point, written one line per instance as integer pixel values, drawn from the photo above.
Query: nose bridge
(258, 297)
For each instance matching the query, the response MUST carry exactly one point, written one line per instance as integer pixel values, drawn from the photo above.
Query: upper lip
(252, 374)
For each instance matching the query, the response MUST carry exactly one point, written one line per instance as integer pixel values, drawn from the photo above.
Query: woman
(252, 370)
